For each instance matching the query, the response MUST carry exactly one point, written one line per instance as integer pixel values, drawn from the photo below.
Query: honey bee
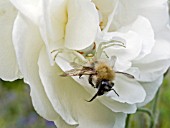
(100, 75)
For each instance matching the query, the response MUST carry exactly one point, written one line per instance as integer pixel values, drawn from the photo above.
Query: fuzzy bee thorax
(104, 71)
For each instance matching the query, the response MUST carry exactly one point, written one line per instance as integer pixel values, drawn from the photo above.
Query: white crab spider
(91, 54)
(104, 45)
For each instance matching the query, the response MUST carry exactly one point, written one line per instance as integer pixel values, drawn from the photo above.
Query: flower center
(105, 17)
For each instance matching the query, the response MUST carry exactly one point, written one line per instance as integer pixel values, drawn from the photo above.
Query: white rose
(45, 26)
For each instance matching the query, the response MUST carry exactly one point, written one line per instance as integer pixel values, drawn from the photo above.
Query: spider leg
(104, 45)
(77, 55)
(58, 51)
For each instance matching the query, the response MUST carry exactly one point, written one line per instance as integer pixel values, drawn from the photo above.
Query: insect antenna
(115, 92)
(126, 74)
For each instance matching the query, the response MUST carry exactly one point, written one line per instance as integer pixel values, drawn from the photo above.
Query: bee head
(104, 86)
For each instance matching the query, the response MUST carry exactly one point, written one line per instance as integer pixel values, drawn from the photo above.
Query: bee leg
(99, 92)
(91, 80)
(93, 97)
(80, 75)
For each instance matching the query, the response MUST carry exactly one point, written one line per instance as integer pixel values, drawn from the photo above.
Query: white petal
(8, 64)
(60, 123)
(151, 9)
(151, 88)
(157, 10)
(125, 55)
(67, 97)
(27, 44)
(82, 25)
(66, 24)
(120, 120)
(117, 106)
(152, 66)
(148, 72)
(52, 23)
(129, 90)
(112, 104)
(146, 33)
(160, 51)
(106, 9)
(144, 30)
(122, 65)
(29, 8)
(133, 47)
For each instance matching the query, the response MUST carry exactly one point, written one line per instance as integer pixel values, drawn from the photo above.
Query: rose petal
(119, 123)
(132, 50)
(27, 44)
(82, 25)
(68, 97)
(156, 63)
(148, 72)
(159, 52)
(52, 23)
(150, 88)
(107, 10)
(8, 64)
(65, 24)
(125, 55)
(151, 9)
(117, 106)
(144, 30)
(63, 124)
(129, 90)
(29, 8)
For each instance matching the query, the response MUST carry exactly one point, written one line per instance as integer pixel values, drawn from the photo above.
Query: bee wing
(79, 72)
(113, 61)
(126, 74)
(75, 65)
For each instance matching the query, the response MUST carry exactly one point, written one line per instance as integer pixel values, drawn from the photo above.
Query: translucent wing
(75, 65)
(112, 61)
(79, 72)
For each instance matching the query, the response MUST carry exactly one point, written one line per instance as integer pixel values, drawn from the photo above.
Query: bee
(100, 76)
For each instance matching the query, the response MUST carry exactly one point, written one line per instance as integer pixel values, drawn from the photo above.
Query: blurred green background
(142, 120)
(16, 110)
